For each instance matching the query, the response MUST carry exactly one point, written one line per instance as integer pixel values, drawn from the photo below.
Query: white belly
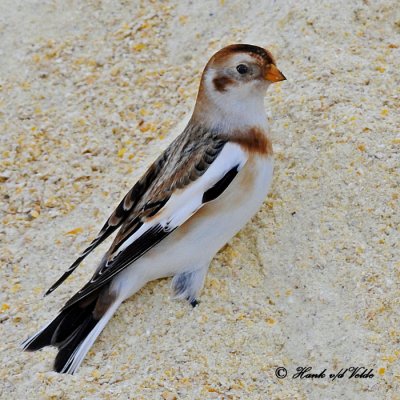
(195, 243)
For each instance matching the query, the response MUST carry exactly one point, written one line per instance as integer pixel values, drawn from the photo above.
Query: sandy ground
(91, 91)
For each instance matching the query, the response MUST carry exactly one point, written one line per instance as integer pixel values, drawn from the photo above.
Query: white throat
(238, 107)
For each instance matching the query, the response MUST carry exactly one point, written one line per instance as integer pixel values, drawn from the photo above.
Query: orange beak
(273, 74)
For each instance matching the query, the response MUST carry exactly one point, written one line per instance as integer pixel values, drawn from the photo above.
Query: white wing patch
(185, 202)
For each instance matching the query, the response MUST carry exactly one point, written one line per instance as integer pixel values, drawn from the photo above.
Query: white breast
(234, 208)
(199, 238)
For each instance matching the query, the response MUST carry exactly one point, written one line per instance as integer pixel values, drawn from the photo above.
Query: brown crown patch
(263, 55)
(253, 140)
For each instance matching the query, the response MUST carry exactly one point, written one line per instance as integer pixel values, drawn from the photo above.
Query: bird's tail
(73, 332)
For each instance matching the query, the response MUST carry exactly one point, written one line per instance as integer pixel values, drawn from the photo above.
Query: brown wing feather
(188, 160)
(120, 214)
(185, 160)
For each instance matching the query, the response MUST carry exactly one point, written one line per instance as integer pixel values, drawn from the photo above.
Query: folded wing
(144, 230)
(120, 214)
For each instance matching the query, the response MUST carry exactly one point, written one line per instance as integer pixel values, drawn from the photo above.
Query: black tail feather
(72, 326)
(63, 359)
(73, 319)
(61, 328)
(66, 331)
(43, 338)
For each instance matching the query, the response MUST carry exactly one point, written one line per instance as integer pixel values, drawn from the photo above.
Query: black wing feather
(144, 243)
(110, 268)
(103, 235)
(118, 217)
(221, 185)
(156, 185)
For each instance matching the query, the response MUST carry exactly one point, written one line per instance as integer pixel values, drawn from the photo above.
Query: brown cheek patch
(221, 83)
(254, 140)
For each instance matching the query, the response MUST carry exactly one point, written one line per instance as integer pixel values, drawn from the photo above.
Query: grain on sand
(90, 92)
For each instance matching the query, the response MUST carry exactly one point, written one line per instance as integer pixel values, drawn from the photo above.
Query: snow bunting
(198, 194)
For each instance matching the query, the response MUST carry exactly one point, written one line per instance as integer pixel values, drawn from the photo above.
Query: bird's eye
(242, 69)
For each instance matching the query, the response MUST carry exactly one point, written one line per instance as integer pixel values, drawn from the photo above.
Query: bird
(204, 187)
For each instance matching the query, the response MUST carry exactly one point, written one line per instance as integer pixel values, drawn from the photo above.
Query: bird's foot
(194, 302)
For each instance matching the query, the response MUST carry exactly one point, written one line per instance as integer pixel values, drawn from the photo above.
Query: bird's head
(234, 83)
